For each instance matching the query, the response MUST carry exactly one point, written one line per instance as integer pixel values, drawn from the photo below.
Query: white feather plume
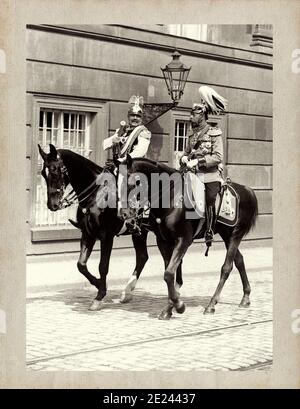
(215, 102)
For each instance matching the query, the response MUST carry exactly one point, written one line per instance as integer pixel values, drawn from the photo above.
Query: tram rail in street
(156, 339)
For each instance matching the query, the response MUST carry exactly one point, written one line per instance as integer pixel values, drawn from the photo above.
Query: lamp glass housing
(175, 74)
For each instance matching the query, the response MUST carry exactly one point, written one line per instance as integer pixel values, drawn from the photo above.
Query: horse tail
(248, 211)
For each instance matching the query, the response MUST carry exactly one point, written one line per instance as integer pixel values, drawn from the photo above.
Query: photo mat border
(15, 14)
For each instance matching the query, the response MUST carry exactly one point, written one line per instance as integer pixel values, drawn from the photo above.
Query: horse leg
(141, 257)
(174, 298)
(166, 250)
(86, 247)
(225, 271)
(240, 265)
(106, 247)
(179, 280)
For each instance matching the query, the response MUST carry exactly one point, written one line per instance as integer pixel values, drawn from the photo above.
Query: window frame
(181, 30)
(176, 115)
(60, 129)
(63, 135)
(98, 126)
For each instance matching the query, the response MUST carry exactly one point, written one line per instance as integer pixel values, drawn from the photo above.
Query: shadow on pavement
(143, 302)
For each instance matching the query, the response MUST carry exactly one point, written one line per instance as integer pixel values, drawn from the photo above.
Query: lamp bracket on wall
(152, 111)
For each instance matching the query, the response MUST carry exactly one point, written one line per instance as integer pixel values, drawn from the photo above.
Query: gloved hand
(100, 178)
(184, 160)
(122, 159)
(192, 163)
(116, 139)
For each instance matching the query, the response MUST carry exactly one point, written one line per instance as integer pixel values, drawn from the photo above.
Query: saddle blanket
(227, 206)
(227, 201)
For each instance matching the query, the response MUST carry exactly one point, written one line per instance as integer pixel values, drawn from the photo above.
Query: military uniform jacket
(208, 162)
(136, 142)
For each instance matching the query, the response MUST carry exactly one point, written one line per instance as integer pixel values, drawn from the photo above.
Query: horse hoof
(165, 315)
(180, 308)
(209, 310)
(96, 305)
(125, 297)
(244, 304)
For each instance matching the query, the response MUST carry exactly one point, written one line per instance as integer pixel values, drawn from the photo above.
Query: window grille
(67, 130)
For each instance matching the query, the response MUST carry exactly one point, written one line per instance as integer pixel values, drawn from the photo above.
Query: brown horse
(175, 232)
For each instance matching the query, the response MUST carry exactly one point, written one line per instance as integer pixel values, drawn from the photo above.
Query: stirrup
(209, 236)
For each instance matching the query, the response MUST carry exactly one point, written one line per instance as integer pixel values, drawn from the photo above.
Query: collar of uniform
(200, 131)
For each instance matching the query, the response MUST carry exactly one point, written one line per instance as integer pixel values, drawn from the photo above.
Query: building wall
(107, 64)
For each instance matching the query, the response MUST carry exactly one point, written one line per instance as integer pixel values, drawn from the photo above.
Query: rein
(72, 198)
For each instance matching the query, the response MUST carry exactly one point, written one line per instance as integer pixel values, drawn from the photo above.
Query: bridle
(72, 197)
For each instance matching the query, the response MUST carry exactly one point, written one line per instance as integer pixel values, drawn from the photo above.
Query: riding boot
(209, 234)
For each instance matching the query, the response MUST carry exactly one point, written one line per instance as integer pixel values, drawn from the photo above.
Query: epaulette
(214, 131)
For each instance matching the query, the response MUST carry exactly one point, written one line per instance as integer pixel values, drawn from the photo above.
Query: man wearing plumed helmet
(204, 150)
(132, 138)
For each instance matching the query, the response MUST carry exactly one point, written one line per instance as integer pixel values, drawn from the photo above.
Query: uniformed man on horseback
(204, 150)
(132, 138)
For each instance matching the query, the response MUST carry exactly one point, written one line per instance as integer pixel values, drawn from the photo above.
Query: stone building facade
(79, 80)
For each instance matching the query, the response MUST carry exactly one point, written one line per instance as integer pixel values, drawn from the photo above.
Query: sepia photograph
(149, 189)
(149, 199)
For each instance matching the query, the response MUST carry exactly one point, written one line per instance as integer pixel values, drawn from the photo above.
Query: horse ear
(53, 151)
(42, 153)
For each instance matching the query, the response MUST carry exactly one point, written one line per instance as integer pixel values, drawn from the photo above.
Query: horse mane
(79, 160)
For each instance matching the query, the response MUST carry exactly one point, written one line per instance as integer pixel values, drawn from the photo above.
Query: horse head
(56, 177)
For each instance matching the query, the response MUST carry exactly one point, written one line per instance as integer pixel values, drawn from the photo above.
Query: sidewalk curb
(84, 285)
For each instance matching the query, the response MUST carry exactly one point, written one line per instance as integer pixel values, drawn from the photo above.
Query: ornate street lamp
(175, 74)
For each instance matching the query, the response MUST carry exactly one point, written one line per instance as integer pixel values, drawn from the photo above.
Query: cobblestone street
(62, 334)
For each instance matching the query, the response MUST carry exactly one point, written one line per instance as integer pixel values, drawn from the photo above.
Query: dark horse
(62, 167)
(175, 233)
